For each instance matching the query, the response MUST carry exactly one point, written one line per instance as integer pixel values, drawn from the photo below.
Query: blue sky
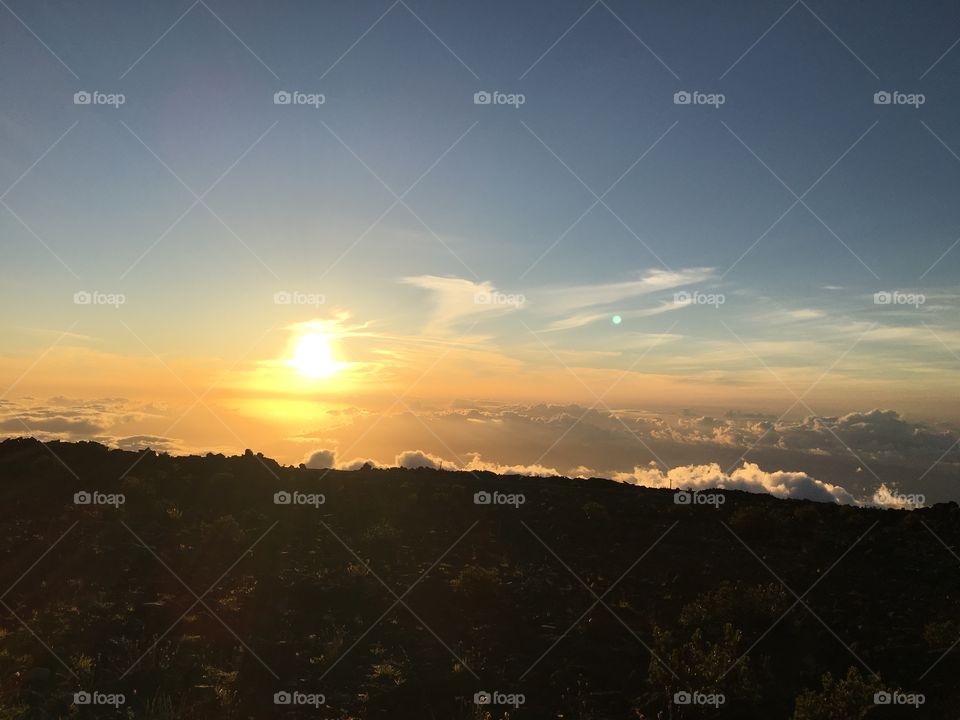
(399, 98)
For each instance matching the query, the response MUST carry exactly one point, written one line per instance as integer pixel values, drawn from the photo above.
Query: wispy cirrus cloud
(570, 299)
(456, 300)
(585, 318)
(563, 307)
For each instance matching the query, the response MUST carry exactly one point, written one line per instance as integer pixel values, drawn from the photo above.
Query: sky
(571, 237)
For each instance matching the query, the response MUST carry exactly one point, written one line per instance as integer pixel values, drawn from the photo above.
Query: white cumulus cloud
(749, 478)
(419, 459)
(321, 459)
(535, 470)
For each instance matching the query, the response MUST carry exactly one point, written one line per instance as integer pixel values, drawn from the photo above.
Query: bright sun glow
(313, 356)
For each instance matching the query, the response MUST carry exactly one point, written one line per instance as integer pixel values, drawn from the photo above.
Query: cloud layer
(828, 458)
(873, 456)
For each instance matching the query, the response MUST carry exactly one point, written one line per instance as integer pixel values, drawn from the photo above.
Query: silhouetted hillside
(395, 594)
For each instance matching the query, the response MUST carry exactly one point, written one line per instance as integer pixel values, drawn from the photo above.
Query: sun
(313, 356)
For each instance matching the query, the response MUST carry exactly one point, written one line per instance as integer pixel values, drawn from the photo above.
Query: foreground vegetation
(398, 596)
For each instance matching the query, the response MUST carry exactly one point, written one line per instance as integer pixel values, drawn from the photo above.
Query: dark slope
(495, 611)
